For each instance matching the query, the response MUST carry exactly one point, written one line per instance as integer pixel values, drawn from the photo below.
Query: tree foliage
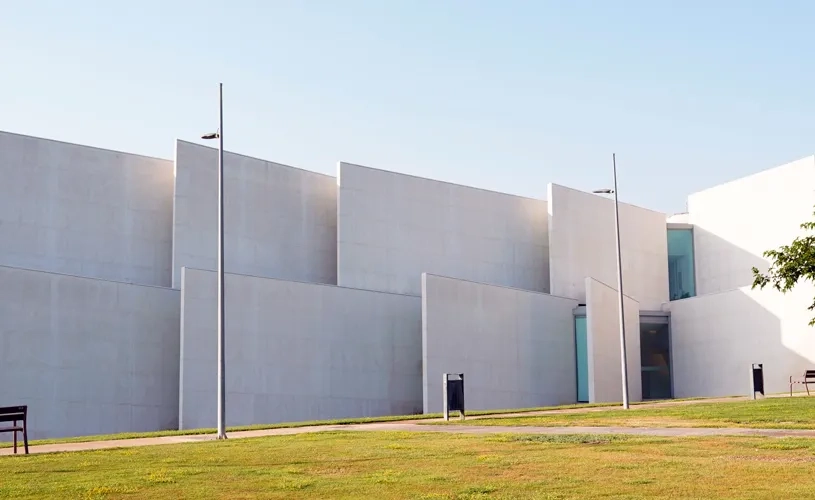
(790, 264)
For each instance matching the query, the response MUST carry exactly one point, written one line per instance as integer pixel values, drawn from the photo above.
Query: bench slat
(13, 413)
(13, 409)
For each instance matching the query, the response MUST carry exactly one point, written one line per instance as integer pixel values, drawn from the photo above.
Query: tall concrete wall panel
(603, 342)
(394, 227)
(582, 243)
(88, 356)
(80, 210)
(298, 351)
(280, 221)
(516, 348)
(735, 223)
(716, 338)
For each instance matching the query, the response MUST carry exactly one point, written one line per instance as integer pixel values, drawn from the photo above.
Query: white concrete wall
(715, 338)
(85, 211)
(279, 221)
(735, 223)
(582, 243)
(298, 351)
(88, 356)
(394, 227)
(603, 339)
(516, 348)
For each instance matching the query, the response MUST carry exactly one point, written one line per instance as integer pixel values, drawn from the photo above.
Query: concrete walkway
(593, 409)
(413, 427)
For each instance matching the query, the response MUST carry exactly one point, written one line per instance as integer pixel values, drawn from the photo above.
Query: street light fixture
(221, 362)
(623, 357)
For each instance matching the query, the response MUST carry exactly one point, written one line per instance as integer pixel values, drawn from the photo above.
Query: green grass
(770, 413)
(346, 421)
(388, 465)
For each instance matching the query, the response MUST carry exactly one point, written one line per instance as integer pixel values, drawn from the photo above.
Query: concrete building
(350, 296)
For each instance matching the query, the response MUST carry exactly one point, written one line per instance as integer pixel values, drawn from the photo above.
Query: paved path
(412, 427)
(593, 409)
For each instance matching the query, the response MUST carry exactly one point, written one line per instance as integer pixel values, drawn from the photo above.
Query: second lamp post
(221, 361)
(623, 356)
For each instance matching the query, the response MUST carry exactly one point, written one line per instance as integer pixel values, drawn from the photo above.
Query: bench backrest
(810, 374)
(13, 413)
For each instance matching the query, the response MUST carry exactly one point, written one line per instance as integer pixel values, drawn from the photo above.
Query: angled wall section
(280, 221)
(298, 351)
(582, 243)
(516, 348)
(394, 227)
(88, 356)
(734, 223)
(717, 337)
(85, 211)
(603, 341)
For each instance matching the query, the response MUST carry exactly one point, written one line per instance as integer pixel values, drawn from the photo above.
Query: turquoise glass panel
(582, 350)
(681, 279)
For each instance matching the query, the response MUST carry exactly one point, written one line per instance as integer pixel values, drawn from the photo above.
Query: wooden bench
(808, 378)
(15, 414)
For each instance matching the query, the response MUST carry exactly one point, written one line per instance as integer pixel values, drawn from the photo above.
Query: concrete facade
(298, 351)
(279, 221)
(717, 337)
(603, 340)
(433, 277)
(516, 348)
(394, 227)
(734, 223)
(88, 356)
(80, 210)
(582, 243)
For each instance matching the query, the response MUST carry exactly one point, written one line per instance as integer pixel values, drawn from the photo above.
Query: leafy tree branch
(790, 264)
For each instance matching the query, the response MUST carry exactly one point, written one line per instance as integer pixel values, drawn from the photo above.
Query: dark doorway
(655, 353)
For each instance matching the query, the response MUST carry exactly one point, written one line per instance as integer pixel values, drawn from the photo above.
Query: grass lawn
(390, 465)
(770, 413)
(5, 443)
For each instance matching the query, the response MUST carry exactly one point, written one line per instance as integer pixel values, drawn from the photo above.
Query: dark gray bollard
(757, 379)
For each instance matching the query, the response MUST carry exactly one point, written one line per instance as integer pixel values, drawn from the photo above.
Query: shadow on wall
(717, 337)
(721, 265)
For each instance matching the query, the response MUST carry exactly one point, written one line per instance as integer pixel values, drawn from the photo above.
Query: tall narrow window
(582, 351)
(681, 280)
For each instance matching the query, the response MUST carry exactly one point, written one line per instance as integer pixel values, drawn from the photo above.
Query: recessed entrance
(655, 357)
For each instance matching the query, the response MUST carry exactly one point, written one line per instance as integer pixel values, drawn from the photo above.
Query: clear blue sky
(504, 95)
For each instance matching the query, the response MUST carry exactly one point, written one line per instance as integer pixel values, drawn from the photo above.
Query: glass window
(581, 348)
(681, 281)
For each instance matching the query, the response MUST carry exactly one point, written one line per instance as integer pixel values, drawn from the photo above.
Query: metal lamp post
(623, 356)
(221, 362)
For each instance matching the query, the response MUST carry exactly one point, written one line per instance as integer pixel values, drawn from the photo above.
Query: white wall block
(88, 356)
(735, 223)
(582, 243)
(603, 340)
(516, 348)
(80, 210)
(393, 227)
(298, 351)
(715, 339)
(279, 221)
